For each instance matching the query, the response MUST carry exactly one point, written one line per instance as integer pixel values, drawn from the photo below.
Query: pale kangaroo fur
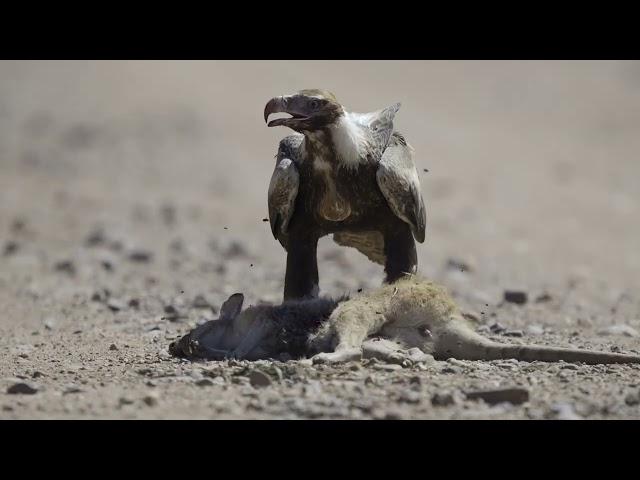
(412, 319)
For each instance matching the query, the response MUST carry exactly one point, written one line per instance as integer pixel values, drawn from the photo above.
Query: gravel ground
(132, 199)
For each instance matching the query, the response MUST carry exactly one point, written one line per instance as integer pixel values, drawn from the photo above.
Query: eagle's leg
(400, 253)
(301, 279)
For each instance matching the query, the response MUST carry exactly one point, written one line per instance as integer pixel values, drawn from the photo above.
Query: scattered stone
(460, 265)
(172, 313)
(451, 370)
(410, 396)
(543, 297)
(204, 382)
(65, 266)
(134, 303)
(236, 249)
(259, 379)
(514, 333)
(140, 256)
(49, 323)
(632, 399)
(107, 265)
(200, 302)
(150, 400)
(569, 366)
(116, 305)
(442, 399)
(95, 238)
(23, 388)
(71, 389)
(418, 356)
(168, 213)
(515, 396)
(534, 330)
(113, 347)
(497, 328)
(564, 411)
(18, 225)
(10, 248)
(623, 330)
(388, 367)
(101, 295)
(124, 401)
(471, 316)
(518, 297)
(37, 374)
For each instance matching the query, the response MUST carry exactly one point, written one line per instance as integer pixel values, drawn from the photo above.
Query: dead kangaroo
(407, 320)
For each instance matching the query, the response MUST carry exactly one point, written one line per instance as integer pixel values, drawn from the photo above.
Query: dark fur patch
(297, 320)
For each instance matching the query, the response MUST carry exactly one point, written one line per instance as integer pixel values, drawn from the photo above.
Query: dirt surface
(132, 199)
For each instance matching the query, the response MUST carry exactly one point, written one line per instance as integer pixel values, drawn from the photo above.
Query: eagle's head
(310, 110)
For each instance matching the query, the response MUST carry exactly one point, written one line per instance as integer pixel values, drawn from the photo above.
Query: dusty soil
(132, 198)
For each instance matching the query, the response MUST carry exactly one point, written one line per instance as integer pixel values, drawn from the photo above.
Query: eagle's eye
(314, 104)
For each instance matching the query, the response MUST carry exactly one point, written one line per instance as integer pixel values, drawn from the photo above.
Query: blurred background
(532, 181)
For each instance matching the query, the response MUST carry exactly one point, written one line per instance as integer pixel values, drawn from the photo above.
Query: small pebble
(442, 399)
(10, 248)
(623, 330)
(518, 297)
(543, 297)
(150, 400)
(534, 330)
(259, 379)
(23, 388)
(140, 256)
(514, 333)
(204, 382)
(515, 396)
(65, 266)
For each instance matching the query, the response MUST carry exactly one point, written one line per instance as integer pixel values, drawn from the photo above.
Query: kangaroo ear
(232, 307)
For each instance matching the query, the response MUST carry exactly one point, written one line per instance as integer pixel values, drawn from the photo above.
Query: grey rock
(497, 328)
(515, 396)
(534, 330)
(200, 301)
(410, 396)
(140, 256)
(150, 400)
(23, 388)
(388, 367)
(204, 382)
(451, 370)
(514, 333)
(65, 266)
(632, 399)
(460, 264)
(10, 248)
(543, 297)
(623, 330)
(49, 323)
(442, 399)
(71, 389)
(259, 379)
(116, 305)
(519, 297)
(564, 411)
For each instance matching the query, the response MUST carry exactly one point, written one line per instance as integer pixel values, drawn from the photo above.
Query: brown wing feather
(400, 185)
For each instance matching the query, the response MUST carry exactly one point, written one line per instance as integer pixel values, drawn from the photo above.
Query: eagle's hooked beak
(284, 105)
